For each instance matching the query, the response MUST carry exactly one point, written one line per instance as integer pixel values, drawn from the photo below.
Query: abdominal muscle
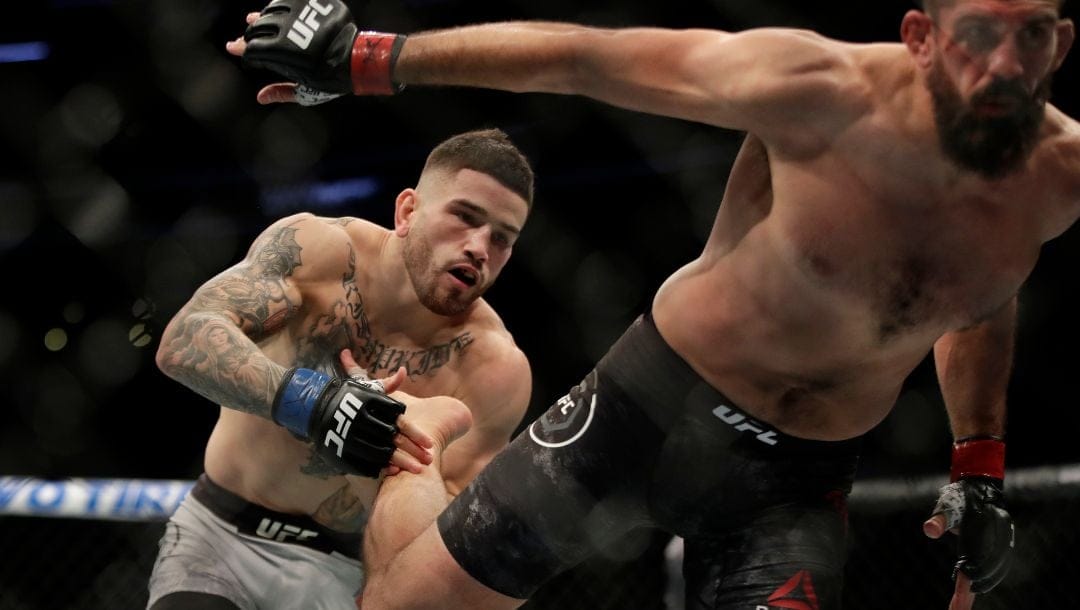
(263, 463)
(789, 354)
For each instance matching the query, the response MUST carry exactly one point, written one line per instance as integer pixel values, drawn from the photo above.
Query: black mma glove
(316, 44)
(351, 423)
(975, 504)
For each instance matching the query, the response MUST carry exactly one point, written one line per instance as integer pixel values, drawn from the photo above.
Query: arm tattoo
(318, 346)
(212, 357)
(342, 221)
(211, 349)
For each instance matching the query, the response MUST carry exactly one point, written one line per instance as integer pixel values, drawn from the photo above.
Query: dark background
(136, 164)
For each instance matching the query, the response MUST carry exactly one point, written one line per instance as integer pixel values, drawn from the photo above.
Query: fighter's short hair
(931, 7)
(488, 151)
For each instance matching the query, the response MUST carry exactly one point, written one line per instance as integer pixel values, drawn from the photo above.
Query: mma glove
(974, 504)
(350, 421)
(316, 44)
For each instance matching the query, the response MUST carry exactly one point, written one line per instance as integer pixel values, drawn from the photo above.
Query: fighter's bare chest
(337, 317)
(950, 260)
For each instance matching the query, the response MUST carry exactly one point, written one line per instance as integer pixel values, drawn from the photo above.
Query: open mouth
(996, 107)
(465, 275)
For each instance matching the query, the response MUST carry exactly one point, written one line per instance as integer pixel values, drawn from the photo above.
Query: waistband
(255, 520)
(657, 379)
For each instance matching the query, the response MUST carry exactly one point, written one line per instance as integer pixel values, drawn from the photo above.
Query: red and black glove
(974, 504)
(316, 44)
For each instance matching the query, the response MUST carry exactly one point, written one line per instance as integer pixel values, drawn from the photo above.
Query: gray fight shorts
(217, 543)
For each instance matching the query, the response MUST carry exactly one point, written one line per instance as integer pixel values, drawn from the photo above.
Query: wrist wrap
(978, 457)
(373, 57)
(297, 397)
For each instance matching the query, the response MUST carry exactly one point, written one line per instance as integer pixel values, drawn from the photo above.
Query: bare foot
(428, 425)
(441, 418)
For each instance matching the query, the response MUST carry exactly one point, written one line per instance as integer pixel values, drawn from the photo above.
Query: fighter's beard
(418, 255)
(990, 146)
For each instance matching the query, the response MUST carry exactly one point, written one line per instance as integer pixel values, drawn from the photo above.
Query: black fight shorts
(643, 441)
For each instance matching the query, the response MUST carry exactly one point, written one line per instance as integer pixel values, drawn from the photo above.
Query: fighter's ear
(915, 31)
(404, 208)
(1066, 34)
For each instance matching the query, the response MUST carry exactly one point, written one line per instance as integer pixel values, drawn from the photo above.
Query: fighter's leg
(788, 557)
(189, 600)
(425, 576)
(189, 571)
(562, 489)
(402, 539)
(409, 500)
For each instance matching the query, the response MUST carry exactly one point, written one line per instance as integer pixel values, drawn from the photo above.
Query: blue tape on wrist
(298, 398)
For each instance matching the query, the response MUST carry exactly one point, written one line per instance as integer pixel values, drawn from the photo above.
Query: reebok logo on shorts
(796, 594)
(569, 418)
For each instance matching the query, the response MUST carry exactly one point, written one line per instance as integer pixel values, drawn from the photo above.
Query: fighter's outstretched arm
(739, 80)
(973, 368)
(758, 80)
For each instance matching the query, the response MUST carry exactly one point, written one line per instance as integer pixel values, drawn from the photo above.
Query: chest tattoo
(345, 323)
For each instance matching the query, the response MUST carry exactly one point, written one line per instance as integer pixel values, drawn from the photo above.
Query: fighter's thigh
(788, 557)
(188, 562)
(188, 600)
(566, 487)
(433, 580)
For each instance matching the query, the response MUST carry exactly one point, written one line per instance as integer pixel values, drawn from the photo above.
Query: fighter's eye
(978, 37)
(1034, 37)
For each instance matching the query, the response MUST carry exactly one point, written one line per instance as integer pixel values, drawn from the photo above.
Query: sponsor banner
(111, 499)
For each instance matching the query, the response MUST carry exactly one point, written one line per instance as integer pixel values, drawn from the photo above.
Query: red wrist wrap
(983, 457)
(373, 57)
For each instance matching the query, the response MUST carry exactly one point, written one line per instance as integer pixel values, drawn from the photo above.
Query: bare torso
(262, 462)
(829, 275)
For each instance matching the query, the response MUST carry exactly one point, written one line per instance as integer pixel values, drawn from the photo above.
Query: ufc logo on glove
(344, 416)
(355, 420)
(307, 23)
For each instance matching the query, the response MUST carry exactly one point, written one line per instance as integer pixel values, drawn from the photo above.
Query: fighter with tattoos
(285, 341)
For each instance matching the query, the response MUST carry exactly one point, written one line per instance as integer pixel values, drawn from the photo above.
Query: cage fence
(78, 544)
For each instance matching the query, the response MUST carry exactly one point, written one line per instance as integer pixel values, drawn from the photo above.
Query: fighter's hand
(280, 93)
(316, 46)
(973, 509)
(238, 45)
(414, 446)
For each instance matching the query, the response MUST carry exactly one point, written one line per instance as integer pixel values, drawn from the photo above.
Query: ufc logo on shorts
(344, 416)
(744, 424)
(305, 26)
(276, 530)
